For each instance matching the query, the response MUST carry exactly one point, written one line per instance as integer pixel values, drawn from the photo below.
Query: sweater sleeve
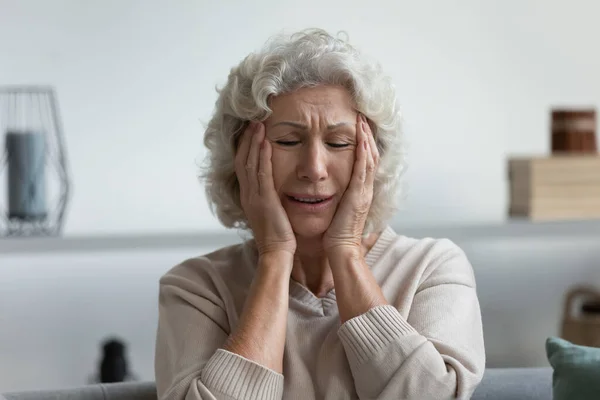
(437, 352)
(192, 326)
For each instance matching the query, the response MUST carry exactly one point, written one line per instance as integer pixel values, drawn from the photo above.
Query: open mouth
(310, 204)
(309, 201)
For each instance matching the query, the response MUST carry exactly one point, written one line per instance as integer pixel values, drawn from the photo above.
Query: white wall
(136, 80)
(57, 308)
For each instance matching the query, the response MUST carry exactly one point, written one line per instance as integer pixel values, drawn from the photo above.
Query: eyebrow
(304, 127)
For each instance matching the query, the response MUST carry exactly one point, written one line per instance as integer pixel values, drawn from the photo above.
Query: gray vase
(26, 175)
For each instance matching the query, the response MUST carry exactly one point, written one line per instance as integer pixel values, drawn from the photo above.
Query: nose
(313, 163)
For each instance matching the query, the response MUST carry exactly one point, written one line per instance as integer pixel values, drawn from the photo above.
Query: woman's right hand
(266, 216)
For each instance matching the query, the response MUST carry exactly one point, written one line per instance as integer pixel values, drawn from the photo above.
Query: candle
(26, 175)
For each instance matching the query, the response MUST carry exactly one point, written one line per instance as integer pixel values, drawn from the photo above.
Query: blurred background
(135, 84)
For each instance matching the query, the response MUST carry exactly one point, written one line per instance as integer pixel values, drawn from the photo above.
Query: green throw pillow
(576, 370)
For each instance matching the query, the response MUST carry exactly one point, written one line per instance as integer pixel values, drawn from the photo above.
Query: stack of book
(556, 187)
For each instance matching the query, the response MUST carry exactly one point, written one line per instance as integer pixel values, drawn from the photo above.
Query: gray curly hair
(286, 63)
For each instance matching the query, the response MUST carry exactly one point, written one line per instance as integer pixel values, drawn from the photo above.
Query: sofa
(497, 384)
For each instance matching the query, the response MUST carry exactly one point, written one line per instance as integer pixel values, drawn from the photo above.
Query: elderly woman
(324, 300)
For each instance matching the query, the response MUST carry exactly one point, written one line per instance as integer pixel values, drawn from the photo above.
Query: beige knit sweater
(428, 344)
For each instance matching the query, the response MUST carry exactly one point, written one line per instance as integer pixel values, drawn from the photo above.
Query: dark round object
(591, 307)
(113, 367)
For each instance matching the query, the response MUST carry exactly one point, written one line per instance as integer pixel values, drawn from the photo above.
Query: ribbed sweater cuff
(240, 378)
(370, 333)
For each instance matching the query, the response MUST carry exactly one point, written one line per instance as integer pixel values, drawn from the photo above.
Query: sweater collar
(305, 296)
(385, 239)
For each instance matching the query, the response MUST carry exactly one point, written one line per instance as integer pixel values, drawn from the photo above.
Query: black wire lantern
(33, 163)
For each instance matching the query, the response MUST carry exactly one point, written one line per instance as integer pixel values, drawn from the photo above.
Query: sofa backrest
(106, 391)
(515, 384)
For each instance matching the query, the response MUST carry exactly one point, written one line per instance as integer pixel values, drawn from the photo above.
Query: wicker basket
(579, 327)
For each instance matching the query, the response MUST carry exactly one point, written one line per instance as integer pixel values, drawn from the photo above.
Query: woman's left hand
(346, 228)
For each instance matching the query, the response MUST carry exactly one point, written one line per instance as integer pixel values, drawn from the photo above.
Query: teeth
(308, 200)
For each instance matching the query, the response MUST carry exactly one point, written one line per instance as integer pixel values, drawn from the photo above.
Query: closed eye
(295, 142)
(287, 142)
(338, 145)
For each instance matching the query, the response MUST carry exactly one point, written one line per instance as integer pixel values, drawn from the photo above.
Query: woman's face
(313, 137)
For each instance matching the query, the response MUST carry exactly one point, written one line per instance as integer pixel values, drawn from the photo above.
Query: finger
(241, 155)
(243, 144)
(360, 163)
(372, 142)
(265, 169)
(252, 160)
(372, 154)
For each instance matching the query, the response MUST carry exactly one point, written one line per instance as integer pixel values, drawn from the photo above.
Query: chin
(310, 227)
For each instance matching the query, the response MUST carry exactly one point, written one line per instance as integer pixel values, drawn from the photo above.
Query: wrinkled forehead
(329, 105)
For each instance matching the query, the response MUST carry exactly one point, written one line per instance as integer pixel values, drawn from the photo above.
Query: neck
(311, 265)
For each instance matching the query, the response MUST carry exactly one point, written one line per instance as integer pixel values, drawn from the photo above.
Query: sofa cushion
(576, 370)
